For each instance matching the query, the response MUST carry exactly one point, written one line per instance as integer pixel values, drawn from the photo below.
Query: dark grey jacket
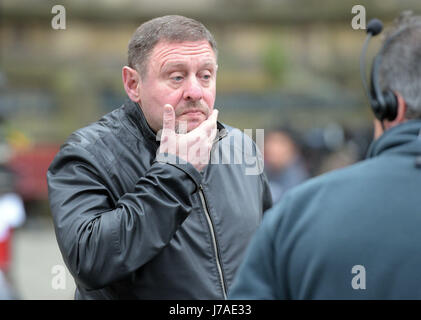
(353, 233)
(132, 227)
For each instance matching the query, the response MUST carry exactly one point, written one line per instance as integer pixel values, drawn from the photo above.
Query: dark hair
(172, 28)
(400, 70)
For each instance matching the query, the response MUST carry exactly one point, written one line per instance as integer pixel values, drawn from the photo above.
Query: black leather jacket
(130, 226)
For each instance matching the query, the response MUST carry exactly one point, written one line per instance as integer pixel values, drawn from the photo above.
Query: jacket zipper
(215, 245)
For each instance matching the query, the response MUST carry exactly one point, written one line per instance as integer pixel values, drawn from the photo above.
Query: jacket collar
(141, 129)
(136, 123)
(404, 139)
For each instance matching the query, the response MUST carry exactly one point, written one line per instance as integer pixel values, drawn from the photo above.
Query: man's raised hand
(194, 146)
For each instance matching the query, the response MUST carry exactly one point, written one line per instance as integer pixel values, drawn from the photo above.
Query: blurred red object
(5, 251)
(30, 166)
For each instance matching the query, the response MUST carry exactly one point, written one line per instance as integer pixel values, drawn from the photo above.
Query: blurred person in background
(284, 165)
(136, 218)
(12, 215)
(341, 148)
(354, 233)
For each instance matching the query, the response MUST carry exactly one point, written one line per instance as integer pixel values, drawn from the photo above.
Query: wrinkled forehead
(164, 51)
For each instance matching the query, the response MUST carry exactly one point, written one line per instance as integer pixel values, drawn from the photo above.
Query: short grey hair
(171, 28)
(400, 69)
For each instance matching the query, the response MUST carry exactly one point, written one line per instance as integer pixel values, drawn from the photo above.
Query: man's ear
(131, 81)
(400, 117)
(378, 128)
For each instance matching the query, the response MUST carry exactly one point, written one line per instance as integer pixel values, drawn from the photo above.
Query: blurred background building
(280, 62)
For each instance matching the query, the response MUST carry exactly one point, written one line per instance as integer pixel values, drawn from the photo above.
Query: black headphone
(383, 103)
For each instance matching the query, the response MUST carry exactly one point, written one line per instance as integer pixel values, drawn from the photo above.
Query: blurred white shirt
(12, 213)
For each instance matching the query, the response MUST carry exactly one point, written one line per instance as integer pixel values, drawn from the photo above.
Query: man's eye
(177, 78)
(206, 77)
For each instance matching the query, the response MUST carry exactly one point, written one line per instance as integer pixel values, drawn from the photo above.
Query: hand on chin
(188, 122)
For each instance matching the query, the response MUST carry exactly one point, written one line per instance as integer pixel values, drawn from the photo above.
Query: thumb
(168, 119)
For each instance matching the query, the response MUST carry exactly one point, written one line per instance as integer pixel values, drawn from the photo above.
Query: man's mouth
(193, 112)
(188, 118)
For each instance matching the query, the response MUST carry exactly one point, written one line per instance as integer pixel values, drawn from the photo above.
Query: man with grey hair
(141, 208)
(353, 233)
(403, 75)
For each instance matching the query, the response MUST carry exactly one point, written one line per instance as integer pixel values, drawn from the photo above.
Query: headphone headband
(383, 103)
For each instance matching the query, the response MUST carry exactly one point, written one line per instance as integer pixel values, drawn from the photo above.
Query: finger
(212, 134)
(210, 123)
(214, 116)
(214, 129)
(168, 119)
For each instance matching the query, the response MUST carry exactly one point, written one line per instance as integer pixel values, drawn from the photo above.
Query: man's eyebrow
(170, 66)
(209, 65)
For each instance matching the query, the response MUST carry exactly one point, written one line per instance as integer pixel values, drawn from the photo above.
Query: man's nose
(193, 90)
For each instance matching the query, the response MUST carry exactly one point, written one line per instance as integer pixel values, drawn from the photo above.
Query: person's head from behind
(172, 60)
(400, 69)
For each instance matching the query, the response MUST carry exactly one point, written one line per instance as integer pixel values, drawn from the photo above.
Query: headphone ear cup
(391, 105)
(377, 109)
